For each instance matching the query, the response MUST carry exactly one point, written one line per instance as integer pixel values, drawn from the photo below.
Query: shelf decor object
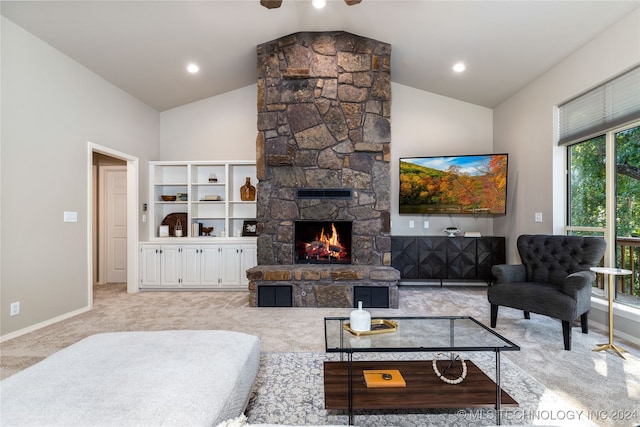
(451, 231)
(383, 378)
(378, 326)
(247, 191)
(250, 228)
(163, 231)
(611, 272)
(360, 320)
(453, 358)
(172, 220)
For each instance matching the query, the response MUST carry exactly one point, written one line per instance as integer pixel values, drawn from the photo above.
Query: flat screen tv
(470, 184)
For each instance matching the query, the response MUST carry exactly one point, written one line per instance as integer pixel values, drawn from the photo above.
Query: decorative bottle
(247, 191)
(178, 229)
(360, 320)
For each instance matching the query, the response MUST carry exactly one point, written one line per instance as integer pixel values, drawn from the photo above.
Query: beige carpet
(604, 386)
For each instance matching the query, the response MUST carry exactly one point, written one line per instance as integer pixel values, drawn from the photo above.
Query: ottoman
(174, 378)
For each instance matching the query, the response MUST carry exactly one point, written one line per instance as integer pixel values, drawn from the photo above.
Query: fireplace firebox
(322, 242)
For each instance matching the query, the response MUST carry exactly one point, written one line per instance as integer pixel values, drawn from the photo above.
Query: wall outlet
(426, 224)
(412, 224)
(538, 217)
(15, 308)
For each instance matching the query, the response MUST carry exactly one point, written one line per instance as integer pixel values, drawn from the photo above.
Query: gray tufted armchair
(553, 280)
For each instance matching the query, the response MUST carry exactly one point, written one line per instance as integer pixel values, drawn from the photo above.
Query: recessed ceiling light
(193, 68)
(459, 67)
(319, 4)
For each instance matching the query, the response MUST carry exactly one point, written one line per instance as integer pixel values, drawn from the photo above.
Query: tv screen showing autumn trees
(474, 184)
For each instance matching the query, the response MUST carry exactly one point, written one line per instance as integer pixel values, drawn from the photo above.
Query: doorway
(112, 207)
(111, 218)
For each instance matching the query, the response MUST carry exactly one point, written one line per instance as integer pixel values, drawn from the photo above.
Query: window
(605, 107)
(587, 179)
(601, 130)
(604, 199)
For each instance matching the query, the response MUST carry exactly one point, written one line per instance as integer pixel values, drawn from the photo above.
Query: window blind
(609, 105)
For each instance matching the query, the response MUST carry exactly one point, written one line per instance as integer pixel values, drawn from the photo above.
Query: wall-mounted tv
(469, 184)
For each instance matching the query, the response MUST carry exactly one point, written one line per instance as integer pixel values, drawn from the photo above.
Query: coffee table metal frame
(499, 345)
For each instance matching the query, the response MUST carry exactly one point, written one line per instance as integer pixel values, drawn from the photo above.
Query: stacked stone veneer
(324, 102)
(324, 285)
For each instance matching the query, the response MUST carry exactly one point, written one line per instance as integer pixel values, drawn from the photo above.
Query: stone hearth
(323, 285)
(324, 106)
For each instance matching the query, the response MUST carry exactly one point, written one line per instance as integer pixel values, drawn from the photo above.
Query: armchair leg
(494, 315)
(584, 322)
(566, 333)
(527, 315)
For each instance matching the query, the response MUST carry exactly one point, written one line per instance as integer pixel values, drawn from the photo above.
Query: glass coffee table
(343, 380)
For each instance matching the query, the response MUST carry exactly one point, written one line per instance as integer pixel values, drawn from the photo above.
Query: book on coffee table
(383, 378)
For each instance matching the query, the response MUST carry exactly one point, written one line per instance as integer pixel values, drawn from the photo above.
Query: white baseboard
(618, 334)
(623, 314)
(37, 326)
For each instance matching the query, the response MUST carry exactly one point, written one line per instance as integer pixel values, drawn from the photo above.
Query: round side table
(611, 272)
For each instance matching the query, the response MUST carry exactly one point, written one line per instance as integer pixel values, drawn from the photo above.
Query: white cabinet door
(210, 265)
(214, 266)
(248, 259)
(149, 266)
(170, 265)
(192, 265)
(230, 274)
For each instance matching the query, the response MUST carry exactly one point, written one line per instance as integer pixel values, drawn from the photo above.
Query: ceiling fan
(274, 4)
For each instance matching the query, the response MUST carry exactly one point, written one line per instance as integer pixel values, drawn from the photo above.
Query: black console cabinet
(441, 257)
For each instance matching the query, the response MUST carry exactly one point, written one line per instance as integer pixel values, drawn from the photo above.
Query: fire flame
(326, 246)
(330, 240)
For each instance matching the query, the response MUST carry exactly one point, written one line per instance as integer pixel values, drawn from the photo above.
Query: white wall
(219, 128)
(51, 108)
(422, 124)
(426, 124)
(524, 125)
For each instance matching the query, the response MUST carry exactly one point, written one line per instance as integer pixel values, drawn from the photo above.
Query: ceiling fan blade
(271, 4)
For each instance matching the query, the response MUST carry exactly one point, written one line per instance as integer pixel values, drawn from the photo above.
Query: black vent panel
(323, 193)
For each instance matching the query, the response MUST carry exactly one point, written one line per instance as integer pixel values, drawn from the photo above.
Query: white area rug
(289, 390)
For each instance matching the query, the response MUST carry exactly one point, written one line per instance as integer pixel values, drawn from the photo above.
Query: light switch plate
(538, 217)
(70, 216)
(412, 224)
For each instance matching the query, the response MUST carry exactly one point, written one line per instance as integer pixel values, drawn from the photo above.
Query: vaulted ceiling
(143, 47)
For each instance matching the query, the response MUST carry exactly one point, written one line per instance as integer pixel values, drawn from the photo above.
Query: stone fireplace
(323, 152)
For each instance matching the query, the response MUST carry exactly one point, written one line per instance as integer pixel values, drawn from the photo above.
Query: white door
(116, 224)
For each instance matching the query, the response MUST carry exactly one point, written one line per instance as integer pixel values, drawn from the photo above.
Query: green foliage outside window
(587, 194)
(628, 182)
